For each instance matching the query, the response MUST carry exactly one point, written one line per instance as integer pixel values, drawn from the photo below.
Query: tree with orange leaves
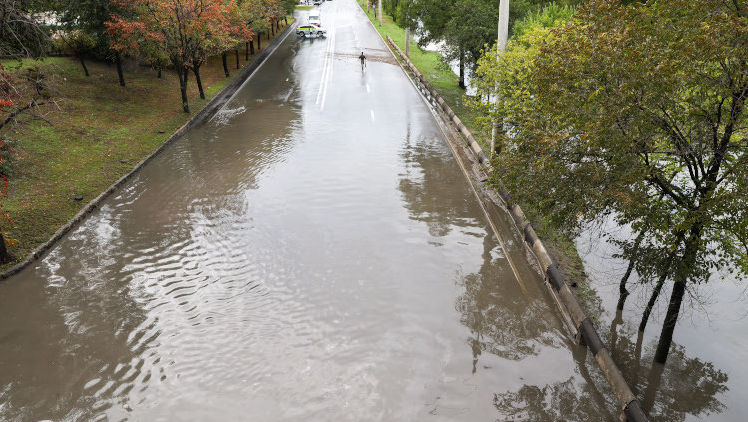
(185, 31)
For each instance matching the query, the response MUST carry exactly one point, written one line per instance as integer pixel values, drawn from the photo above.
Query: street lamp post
(379, 11)
(501, 42)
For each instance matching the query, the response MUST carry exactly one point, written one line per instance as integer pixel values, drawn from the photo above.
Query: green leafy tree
(83, 28)
(635, 111)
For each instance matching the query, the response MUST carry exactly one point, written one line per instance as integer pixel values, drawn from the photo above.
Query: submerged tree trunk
(676, 298)
(654, 380)
(121, 75)
(252, 48)
(622, 290)
(196, 70)
(462, 70)
(653, 298)
(83, 63)
(236, 52)
(225, 64)
(671, 318)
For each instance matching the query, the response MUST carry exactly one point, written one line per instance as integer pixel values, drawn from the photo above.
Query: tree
(637, 111)
(82, 25)
(254, 15)
(472, 26)
(21, 35)
(221, 26)
(183, 29)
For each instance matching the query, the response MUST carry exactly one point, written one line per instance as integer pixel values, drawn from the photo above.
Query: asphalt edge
(202, 116)
(566, 301)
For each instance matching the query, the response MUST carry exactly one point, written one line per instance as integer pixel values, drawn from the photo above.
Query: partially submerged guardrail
(565, 299)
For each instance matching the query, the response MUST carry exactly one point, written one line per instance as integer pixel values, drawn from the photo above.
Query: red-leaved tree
(184, 31)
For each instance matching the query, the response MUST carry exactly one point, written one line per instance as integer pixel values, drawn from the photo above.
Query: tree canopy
(636, 111)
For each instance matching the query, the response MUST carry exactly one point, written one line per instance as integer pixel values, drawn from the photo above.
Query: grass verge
(94, 135)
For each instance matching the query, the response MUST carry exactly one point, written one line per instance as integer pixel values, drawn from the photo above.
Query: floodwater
(312, 253)
(706, 375)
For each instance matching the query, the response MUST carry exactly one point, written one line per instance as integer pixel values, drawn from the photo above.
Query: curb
(565, 299)
(202, 116)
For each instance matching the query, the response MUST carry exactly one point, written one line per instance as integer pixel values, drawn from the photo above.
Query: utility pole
(379, 10)
(500, 48)
(407, 42)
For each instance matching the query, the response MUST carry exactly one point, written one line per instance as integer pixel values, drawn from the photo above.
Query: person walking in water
(363, 60)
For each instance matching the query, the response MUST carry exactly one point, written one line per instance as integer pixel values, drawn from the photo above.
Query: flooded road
(312, 253)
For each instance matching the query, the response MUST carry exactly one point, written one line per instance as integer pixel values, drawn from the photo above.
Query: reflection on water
(281, 263)
(704, 376)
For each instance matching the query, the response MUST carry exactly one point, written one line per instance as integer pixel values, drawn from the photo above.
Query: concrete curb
(565, 299)
(201, 117)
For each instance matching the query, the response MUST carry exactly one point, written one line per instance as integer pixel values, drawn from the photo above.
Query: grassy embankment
(97, 135)
(444, 80)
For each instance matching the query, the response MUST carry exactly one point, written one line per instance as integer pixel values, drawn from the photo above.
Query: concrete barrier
(565, 299)
(202, 116)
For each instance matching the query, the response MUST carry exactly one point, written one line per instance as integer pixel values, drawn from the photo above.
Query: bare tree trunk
(159, 72)
(182, 74)
(252, 48)
(236, 51)
(196, 70)
(83, 63)
(259, 39)
(5, 256)
(225, 65)
(246, 51)
(121, 75)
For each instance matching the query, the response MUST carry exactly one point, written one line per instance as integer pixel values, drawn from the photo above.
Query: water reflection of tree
(502, 321)
(560, 401)
(508, 324)
(684, 386)
(433, 195)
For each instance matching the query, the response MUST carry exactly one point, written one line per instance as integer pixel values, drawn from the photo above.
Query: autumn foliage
(184, 33)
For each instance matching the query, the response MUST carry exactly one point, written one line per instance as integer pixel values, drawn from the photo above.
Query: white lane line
(325, 67)
(372, 115)
(330, 68)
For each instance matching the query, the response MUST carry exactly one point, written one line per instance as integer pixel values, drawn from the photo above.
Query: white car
(314, 19)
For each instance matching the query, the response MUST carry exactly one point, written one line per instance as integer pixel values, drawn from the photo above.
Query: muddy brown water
(312, 253)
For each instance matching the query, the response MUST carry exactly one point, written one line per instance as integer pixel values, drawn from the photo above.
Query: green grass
(304, 7)
(94, 135)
